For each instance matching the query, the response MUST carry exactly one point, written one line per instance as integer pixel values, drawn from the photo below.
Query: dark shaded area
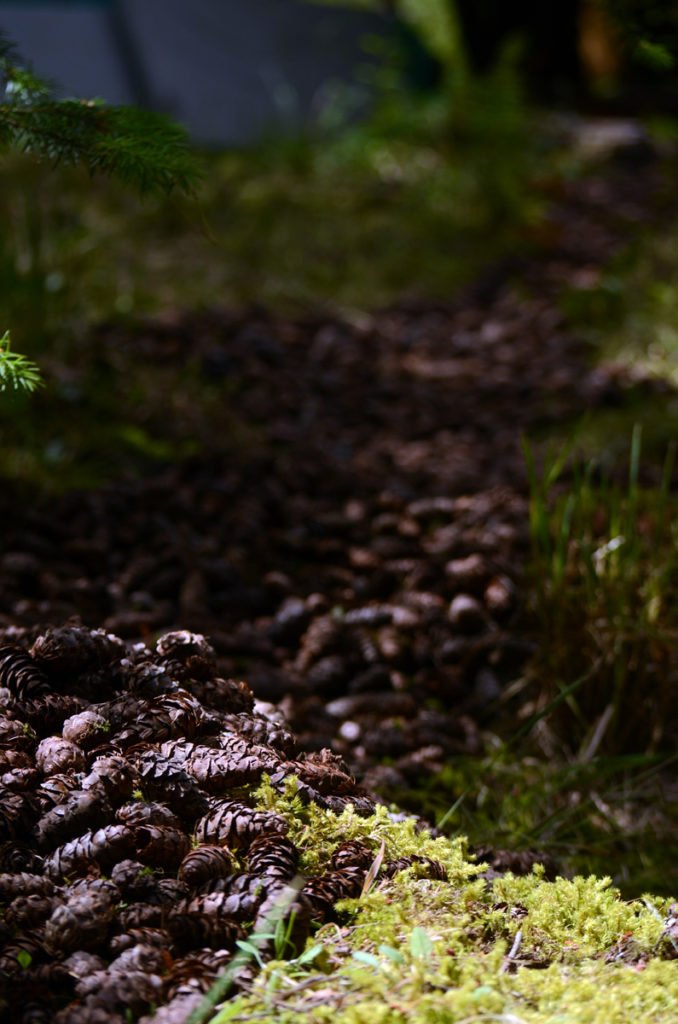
(549, 34)
(618, 56)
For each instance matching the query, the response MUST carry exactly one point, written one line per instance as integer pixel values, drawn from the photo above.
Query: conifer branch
(141, 148)
(15, 370)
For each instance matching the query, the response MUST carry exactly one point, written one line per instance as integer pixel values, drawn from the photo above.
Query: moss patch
(467, 949)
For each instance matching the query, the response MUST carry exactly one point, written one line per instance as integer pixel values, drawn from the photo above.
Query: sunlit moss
(318, 832)
(599, 993)
(420, 950)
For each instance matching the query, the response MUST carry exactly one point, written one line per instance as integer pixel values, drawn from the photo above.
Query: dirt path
(357, 557)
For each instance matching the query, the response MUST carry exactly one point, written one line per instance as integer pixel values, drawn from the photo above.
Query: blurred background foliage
(438, 181)
(406, 205)
(442, 178)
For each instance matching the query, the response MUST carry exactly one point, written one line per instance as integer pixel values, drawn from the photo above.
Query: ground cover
(472, 946)
(341, 500)
(369, 538)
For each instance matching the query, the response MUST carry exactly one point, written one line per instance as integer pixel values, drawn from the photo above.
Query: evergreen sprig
(16, 372)
(140, 147)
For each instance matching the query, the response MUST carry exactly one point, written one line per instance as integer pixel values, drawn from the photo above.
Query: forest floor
(342, 504)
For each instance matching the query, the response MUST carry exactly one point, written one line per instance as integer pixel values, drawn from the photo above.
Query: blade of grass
(375, 867)
(589, 751)
(664, 493)
(634, 463)
(247, 952)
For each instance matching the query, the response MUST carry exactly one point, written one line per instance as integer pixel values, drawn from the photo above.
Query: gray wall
(229, 70)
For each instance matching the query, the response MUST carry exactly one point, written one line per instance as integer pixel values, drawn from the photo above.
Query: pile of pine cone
(131, 857)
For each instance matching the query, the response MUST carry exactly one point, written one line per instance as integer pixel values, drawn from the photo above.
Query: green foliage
(607, 815)
(630, 312)
(318, 833)
(141, 148)
(654, 55)
(604, 578)
(16, 372)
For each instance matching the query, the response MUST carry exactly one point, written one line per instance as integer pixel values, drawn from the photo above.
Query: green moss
(582, 916)
(598, 993)
(317, 833)
(421, 950)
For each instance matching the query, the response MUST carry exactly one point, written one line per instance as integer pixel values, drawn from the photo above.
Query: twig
(512, 953)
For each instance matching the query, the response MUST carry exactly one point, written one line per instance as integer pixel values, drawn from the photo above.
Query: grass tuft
(604, 579)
